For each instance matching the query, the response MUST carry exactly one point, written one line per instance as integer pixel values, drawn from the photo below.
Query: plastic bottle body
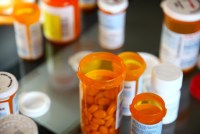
(167, 82)
(135, 66)
(101, 77)
(112, 23)
(180, 36)
(61, 20)
(147, 111)
(28, 31)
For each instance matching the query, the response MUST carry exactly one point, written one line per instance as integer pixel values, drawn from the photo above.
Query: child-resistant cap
(195, 86)
(8, 85)
(34, 104)
(113, 6)
(182, 10)
(166, 79)
(17, 124)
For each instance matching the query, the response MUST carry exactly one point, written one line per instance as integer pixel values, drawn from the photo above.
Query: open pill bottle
(147, 111)
(101, 77)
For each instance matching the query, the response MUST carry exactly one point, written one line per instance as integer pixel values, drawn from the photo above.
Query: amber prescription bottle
(8, 95)
(28, 31)
(112, 15)
(135, 67)
(101, 77)
(61, 20)
(147, 110)
(181, 33)
(167, 82)
(87, 5)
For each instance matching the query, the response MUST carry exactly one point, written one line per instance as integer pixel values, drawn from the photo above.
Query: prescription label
(4, 109)
(36, 40)
(111, 29)
(15, 105)
(179, 49)
(58, 22)
(139, 128)
(21, 36)
(119, 109)
(129, 93)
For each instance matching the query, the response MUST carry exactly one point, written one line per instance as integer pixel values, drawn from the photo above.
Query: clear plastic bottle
(135, 67)
(61, 20)
(101, 77)
(181, 33)
(147, 111)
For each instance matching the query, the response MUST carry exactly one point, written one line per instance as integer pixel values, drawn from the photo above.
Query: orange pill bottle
(147, 110)
(61, 20)
(180, 37)
(135, 67)
(28, 31)
(101, 77)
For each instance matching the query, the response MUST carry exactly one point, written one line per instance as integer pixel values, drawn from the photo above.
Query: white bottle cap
(113, 6)
(150, 61)
(166, 79)
(183, 10)
(75, 59)
(17, 124)
(8, 85)
(34, 104)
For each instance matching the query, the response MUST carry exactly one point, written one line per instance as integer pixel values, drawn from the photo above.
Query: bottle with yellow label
(61, 20)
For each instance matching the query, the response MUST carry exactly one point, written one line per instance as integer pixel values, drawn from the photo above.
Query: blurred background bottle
(61, 20)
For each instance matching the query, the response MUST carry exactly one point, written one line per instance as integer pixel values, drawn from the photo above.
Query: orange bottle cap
(26, 13)
(148, 108)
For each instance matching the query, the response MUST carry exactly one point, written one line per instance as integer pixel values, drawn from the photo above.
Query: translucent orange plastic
(26, 13)
(62, 3)
(101, 77)
(182, 28)
(135, 65)
(148, 108)
(87, 7)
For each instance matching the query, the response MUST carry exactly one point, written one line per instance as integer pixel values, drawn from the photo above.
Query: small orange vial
(147, 110)
(28, 31)
(135, 67)
(61, 20)
(101, 77)
(181, 33)
(88, 4)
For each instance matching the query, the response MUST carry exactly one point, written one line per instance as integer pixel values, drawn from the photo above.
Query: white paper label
(119, 109)
(179, 49)
(22, 40)
(111, 30)
(15, 105)
(36, 40)
(139, 128)
(4, 109)
(129, 92)
(29, 48)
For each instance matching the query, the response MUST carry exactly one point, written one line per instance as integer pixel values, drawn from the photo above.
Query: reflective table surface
(53, 74)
